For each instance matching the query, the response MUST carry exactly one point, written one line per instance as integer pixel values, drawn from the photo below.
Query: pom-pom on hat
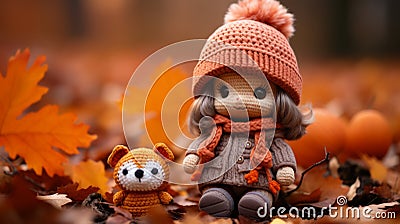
(255, 31)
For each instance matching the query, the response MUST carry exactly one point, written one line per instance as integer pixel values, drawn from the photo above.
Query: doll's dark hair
(292, 120)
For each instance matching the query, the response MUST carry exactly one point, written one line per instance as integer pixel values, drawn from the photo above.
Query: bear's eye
(260, 93)
(154, 171)
(224, 91)
(125, 171)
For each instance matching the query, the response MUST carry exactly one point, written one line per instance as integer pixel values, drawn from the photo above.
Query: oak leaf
(44, 183)
(89, 173)
(42, 138)
(71, 190)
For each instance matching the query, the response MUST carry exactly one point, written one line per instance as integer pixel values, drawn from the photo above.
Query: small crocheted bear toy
(247, 88)
(141, 174)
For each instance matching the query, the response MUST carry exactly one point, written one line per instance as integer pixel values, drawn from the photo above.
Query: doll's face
(243, 99)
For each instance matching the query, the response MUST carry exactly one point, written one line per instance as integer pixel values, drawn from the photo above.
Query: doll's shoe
(217, 202)
(255, 205)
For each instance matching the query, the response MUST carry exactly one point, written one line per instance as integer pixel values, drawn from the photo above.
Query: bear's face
(140, 169)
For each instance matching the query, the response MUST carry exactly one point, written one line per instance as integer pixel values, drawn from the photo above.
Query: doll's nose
(139, 173)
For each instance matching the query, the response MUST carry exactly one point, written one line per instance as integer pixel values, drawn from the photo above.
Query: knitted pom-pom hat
(255, 33)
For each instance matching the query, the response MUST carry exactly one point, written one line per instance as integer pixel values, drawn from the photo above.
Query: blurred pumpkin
(368, 133)
(328, 130)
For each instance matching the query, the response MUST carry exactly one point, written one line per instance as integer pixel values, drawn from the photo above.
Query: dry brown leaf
(278, 221)
(330, 187)
(376, 168)
(71, 190)
(56, 200)
(44, 182)
(120, 216)
(89, 173)
(21, 204)
(384, 191)
(158, 214)
(182, 200)
(353, 190)
(334, 167)
(393, 179)
(304, 197)
(190, 219)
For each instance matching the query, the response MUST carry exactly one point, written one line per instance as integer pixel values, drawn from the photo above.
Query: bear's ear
(117, 153)
(164, 151)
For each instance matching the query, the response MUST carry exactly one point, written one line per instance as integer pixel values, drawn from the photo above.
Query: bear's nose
(139, 173)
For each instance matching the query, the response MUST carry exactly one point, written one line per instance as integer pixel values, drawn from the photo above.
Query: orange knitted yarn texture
(138, 194)
(139, 203)
(255, 35)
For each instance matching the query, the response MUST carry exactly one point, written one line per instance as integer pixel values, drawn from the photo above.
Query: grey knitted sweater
(232, 160)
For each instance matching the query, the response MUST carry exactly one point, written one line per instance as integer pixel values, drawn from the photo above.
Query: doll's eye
(224, 91)
(154, 171)
(125, 171)
(260, 93)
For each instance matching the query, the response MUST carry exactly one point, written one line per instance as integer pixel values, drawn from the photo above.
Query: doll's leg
(255, 205)
(217, 202)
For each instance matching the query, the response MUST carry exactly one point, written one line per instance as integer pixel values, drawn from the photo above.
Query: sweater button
(248, 145)
(240, 160)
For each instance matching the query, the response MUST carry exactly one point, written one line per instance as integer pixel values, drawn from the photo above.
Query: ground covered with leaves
(54, 172)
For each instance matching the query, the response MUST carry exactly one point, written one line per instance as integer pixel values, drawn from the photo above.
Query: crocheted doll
(140, 173)
(243, 118)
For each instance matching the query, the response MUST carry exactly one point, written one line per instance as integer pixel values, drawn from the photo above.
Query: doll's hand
(285, 176)
(190, 162)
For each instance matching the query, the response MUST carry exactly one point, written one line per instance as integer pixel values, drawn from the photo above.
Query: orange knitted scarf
(260, 156)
